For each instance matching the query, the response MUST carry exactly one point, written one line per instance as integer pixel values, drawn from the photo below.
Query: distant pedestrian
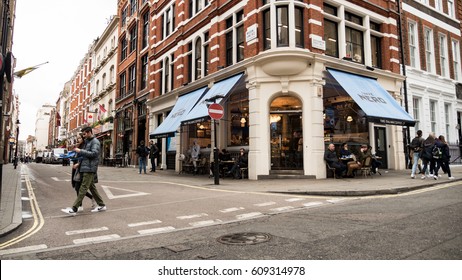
(443, 162)
(195, 153)
(426, 155)
(416, 148)
(142, 151)
(153, 152)
(88, 169)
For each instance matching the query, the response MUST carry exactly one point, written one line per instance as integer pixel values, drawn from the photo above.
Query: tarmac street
(161, 204)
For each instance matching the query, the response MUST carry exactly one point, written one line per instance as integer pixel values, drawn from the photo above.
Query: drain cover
(244, 238)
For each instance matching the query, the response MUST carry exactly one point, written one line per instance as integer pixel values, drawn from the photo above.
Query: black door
(381, 145)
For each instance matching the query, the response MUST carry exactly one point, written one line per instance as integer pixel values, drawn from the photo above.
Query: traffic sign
(216, 111)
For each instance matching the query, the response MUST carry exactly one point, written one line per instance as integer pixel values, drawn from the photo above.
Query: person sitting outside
(241, 162)
(330, 156)
(347, 156)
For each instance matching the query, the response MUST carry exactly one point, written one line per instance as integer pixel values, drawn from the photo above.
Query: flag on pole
(25, 71)
(101, 108)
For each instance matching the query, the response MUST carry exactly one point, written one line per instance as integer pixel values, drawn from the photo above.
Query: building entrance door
(286, 134)
(381, 145)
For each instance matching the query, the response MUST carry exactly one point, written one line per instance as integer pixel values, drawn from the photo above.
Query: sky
(57, 31)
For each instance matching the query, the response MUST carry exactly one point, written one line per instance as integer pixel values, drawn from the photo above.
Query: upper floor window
(123, 18)
(195, 6)
(282, 23)
(133, 39)
(189, 56)
(133, 7)
(299, 27)
(413, 45)
(439, 5)
(122, 85)
(234, 38)
(447, 118)
(429, 56)
(354, 44)
(144, 71)
(104, 81)
(376, 51)
(124, 46)
(145, 41)
(169, 21)
(433, 115)
(198, 59)
(331, 37)
(111, 74)
(451, 8)
(131, 79)
(456, 59)
(443, 56)
(97, 87)
(416, 112)
(206, 51)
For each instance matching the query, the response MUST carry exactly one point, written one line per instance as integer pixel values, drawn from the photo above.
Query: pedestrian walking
(426, 155)
(153, 152)
(76, 178)
(88, 168)
(443, 161)
(142, 151)
(416, 148)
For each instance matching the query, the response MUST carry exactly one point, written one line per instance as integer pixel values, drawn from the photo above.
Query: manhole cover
(244, 238)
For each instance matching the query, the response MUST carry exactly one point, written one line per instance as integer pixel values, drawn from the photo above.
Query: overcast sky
(57, 31)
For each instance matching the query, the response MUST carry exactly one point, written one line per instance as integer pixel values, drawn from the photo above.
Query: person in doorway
(75, 160)
(416, 148)
(142, 151)
(195, 153)
(153, 152)
(88, 169)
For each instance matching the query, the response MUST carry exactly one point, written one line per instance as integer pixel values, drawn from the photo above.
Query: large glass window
(235, 38)
(238, 112)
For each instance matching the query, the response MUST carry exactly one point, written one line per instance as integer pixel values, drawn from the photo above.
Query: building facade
(42, 123)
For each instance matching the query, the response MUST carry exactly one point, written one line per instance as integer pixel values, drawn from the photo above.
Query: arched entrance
(286, 134)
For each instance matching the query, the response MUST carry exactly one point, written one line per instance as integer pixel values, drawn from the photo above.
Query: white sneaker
(99, 209)
(412, 176)
(80, 209)
(439, 175)
(423, 177)
(435, 177)
(69, 211)
(451, 178)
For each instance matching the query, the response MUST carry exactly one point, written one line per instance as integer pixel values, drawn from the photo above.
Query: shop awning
(200, 111)
(182, 107)
(378, 105)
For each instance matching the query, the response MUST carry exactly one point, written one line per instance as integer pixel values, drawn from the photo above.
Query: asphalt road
(164, 220)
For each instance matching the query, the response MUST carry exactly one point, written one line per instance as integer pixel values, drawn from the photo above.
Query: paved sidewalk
(390, 182)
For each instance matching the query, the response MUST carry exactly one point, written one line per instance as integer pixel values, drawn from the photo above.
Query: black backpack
(436, 152)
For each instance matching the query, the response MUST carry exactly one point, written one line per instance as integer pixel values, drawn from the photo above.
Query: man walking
(416, 146)
(89, 155)
(153, 152)
(142, 152)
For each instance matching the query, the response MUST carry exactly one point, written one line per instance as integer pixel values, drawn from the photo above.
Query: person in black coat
(443, 162)
(330, 156)
(426, 155)
(241, 162)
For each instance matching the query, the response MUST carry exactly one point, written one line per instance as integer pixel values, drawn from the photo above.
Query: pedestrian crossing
(182, 221)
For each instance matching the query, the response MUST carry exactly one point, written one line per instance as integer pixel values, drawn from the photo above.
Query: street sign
(216, 111)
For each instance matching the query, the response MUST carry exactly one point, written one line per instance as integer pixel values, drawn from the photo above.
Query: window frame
(416, 111)
(429, 51)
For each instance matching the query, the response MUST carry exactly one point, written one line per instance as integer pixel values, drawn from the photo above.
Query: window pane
(299, 27)
(331, 38)
(376, 51)
(283, 26)
(354, 44)
(267, 28)
(240, 43)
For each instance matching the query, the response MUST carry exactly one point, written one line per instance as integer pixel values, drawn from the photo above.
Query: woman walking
(445, 158)
(76, 182)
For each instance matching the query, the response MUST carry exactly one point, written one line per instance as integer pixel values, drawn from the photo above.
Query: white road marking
(156, 230)
(249, 215)
(55, 179)
(73, 232)
(336, 200)
(205, 223)
(96, 239)
(313, 204)
(282, 209)
(110, 195)
(145, 223)
(294, 199)
(192, 216)
(265, 204)
(234, 209)
(23, 249)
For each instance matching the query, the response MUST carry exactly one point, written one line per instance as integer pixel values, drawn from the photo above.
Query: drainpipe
(406, 130)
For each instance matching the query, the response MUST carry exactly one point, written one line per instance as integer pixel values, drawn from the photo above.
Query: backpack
(437, 153)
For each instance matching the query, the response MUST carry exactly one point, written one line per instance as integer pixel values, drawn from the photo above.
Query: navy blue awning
(378, 105)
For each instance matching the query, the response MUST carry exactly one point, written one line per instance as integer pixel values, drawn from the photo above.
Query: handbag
(77, 176)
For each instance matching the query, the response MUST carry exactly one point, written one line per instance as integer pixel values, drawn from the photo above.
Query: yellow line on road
(36, 214)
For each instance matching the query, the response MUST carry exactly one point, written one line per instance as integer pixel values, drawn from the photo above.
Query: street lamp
(17, 144)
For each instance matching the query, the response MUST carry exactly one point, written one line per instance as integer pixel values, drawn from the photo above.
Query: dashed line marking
(73, 232)
(156, 230)
(294, 199)
(96, 239)
(192, 216)
(249, 215)
(265, 204)
(205, 223)
(285, 208)
(312, 204)
(234, 209)
(145, 223)
(23, 249)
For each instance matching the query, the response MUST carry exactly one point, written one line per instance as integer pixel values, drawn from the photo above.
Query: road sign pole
(215, 155)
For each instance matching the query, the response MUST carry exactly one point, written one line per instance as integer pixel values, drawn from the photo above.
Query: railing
(454, 151)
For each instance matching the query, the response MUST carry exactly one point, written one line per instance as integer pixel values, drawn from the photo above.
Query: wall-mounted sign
(251, 33)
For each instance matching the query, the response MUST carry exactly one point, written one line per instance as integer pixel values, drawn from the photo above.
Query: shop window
(238, 112)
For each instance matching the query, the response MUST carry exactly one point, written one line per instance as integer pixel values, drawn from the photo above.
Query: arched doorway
(286, 134)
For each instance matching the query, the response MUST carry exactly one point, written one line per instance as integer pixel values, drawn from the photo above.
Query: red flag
(101, 108)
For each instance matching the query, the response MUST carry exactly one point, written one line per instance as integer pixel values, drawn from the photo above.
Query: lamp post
(17, 145)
